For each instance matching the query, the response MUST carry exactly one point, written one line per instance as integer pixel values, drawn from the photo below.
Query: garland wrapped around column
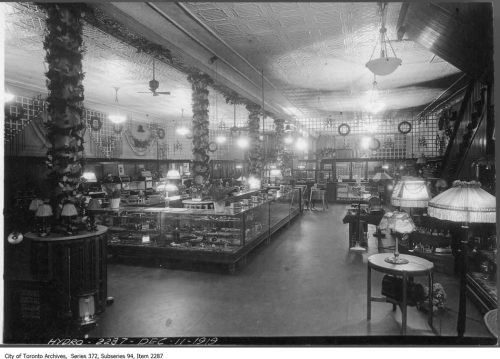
(199, 83)
(279, 126)
(255, 152)
(63, 46)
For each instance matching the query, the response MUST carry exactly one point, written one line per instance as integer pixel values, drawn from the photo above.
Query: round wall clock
(344, 129)
(404, 127)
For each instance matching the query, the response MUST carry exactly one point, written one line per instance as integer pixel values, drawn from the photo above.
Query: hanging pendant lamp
(385, 64)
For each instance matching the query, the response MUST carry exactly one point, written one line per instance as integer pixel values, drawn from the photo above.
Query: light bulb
(183, 131)
(8, 97)
(301, 144)
(242, 142)
(220, 139)
(288, 140)
(365, 142)
(116, 118)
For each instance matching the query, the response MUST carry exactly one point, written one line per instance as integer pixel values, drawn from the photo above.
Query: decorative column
(199, 83)
(279, 126)
(63, 46)
(255, 151)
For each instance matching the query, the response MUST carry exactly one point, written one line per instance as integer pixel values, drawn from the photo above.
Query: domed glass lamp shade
(401, 223)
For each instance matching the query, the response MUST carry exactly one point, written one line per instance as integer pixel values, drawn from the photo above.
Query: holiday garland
(255, 152)
(199, 83)
(63, 46)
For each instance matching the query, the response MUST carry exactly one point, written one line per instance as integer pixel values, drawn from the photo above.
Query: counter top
(53, 237)
(208, 212)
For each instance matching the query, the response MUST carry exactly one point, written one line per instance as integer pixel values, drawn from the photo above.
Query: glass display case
(182, 234)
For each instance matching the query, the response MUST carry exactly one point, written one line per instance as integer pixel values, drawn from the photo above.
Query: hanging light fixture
(384, 65)
(116, 117)
(182, 130)
(374, 104)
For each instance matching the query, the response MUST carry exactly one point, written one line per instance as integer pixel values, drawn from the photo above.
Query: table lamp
(94, 204)
(173, 175)
(464, 202)
(68, 211)
(42, 213)
(401, 223)
(34, 204)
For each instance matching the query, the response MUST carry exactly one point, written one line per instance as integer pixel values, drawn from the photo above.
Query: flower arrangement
(438, 298)
(255, 152)
(199, 83)
(65, 127)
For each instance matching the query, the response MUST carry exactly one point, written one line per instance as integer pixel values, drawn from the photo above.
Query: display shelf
(200, 235)
(482, 290)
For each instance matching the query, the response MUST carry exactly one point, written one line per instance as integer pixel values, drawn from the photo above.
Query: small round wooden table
(415, 267)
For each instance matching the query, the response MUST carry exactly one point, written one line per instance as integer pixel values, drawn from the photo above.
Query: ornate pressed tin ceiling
(107, 63)
(313, 54)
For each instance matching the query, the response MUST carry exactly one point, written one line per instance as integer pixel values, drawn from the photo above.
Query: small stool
(318, 194)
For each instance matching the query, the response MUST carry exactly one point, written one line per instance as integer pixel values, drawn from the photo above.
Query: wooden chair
(318, 194)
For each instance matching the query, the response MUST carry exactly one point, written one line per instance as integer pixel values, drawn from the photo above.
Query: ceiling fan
(154, 84)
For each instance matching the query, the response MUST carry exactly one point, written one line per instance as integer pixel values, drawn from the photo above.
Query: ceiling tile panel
(213, 15)
(280, 8)
(259, 26)
(292, 22)
(248, 10)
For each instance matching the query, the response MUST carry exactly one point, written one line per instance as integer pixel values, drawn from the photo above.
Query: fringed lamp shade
(69, 210)
(410, 192)
(94, 203)
(381, 177)
(464, 202)
(44, 210)
(35, 203)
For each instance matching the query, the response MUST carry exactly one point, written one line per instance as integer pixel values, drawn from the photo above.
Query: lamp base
(396, 260)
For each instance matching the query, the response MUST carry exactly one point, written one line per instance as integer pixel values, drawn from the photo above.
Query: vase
(114, 203)
(220, 207)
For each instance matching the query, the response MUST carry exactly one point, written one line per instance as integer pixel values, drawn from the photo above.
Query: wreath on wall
(404, 127)
(344, 129)
(374, 144)
(199, 85)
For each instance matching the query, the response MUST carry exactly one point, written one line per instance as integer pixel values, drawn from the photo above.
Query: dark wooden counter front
(74, 268)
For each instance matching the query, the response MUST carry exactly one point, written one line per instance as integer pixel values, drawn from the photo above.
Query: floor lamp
(464, 202)
(410, 192)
